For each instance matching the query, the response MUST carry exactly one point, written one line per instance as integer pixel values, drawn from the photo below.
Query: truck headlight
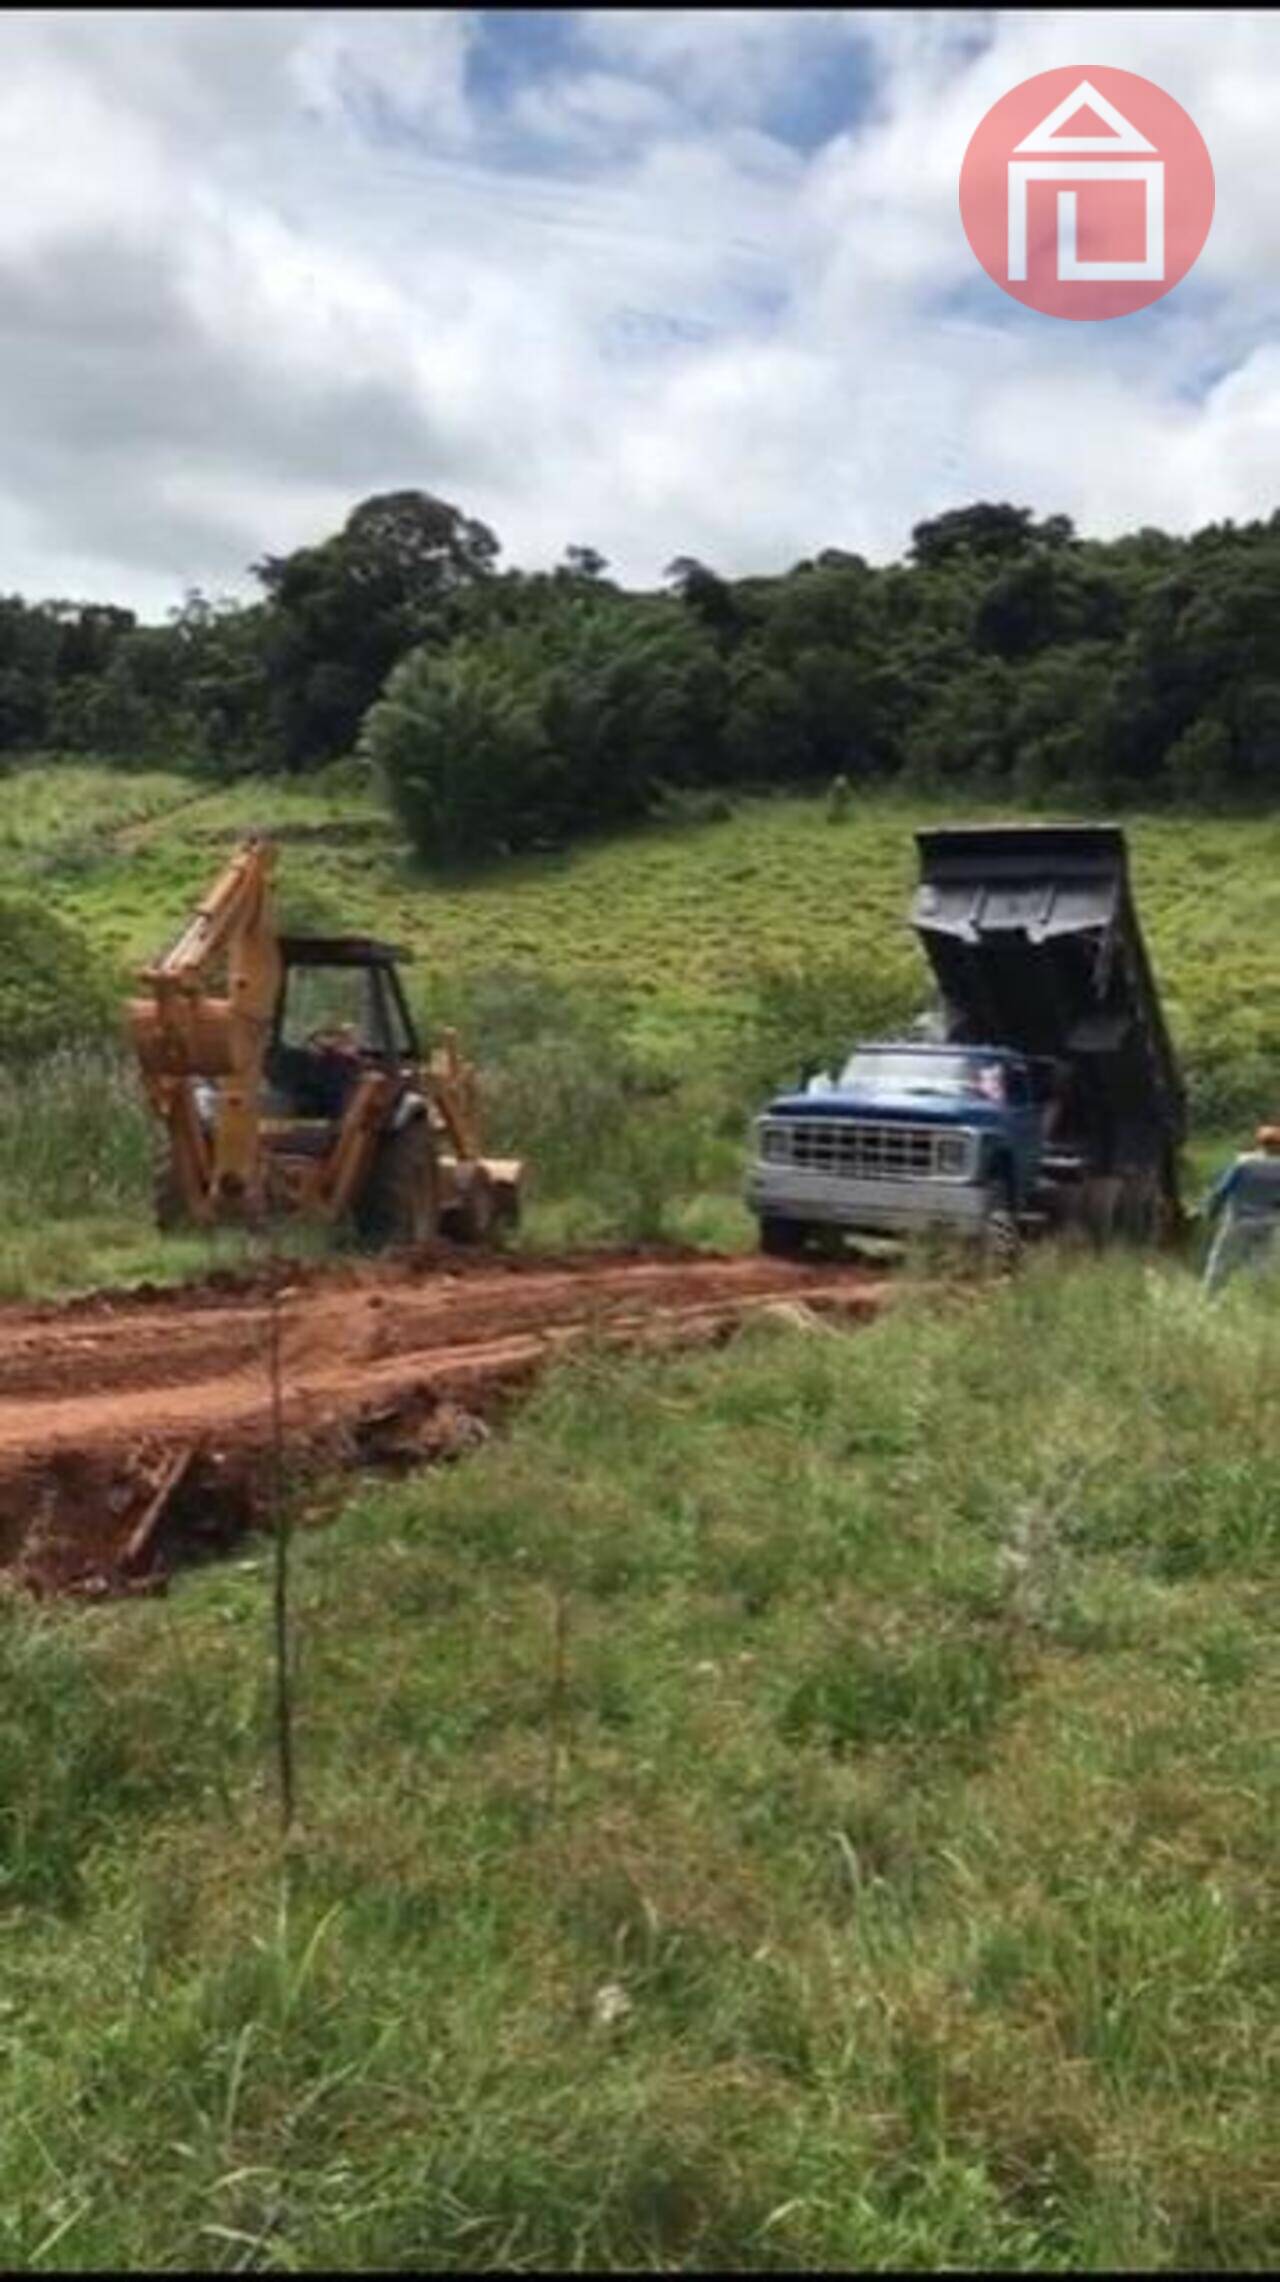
(773, 1144)
(952, 1154)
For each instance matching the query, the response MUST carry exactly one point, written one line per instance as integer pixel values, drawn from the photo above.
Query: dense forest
(507, 709)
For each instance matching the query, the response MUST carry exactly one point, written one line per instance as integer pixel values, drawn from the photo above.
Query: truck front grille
(859, 1151)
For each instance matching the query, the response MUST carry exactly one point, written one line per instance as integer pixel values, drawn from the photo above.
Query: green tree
(344, 612)
(1060, 723)
(985, 529)
(961, 735)
(764, 735)
(541, 731)
(1199, 763)
(458, 742)
(634, 698)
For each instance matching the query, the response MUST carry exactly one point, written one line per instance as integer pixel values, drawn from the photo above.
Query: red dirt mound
(136, 1424)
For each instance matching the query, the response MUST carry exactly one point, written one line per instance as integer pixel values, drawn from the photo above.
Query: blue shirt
(1251, 1187)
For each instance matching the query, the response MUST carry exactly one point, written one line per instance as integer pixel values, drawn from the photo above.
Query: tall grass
(903, 1897)
(75, 1137)
(618, 1144)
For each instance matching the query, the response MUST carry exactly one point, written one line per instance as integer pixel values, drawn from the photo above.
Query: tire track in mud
(148, 1415)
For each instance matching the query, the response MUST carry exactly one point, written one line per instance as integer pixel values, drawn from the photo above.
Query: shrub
(459, 744)
(542, 731)
(54, 991)
(595, 1121)
(814, 1014)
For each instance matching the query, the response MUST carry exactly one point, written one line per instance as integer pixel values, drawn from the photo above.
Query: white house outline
(1124, 136)
(1045, 137)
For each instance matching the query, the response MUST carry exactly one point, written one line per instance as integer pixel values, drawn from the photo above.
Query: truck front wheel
(782, 1239)
(999, 1240)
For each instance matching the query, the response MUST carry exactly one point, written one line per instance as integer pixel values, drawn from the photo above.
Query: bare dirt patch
(135, 1428)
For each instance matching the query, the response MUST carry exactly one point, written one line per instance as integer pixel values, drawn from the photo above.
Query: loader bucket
(506, 1176)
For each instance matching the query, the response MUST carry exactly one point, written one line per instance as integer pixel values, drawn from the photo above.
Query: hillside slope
(630, 1000)
(674, 916)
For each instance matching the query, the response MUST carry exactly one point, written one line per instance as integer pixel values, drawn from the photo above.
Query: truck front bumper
(878, 1207)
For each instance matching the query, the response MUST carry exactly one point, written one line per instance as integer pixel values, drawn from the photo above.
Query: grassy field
(675, 918)
(807, 1806)
(630, 1000)
(879, 1873)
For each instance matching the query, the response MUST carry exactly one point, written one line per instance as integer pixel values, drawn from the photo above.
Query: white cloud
(255, 266)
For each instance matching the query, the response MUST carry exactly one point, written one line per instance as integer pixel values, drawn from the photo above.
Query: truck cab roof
(941, 1046)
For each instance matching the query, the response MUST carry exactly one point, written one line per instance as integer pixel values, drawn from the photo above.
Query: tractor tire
(473, 1220)
(783, 1239)
(400, 1202)
(168, 1202)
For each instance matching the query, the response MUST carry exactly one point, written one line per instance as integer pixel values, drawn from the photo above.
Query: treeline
(506, 709)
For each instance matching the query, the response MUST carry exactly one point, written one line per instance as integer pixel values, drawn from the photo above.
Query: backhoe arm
(182, 1033)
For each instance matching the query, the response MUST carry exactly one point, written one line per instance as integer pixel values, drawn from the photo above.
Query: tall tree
(345, 611)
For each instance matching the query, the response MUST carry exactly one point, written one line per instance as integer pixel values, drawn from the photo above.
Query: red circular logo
(1086, 192)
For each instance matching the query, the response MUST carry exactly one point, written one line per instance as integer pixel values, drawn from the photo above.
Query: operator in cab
(1245, 1205)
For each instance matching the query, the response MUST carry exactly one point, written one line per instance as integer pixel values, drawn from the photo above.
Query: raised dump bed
(1050, 1091)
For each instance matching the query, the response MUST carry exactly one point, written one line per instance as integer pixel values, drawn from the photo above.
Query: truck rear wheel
(400, 1202)
(1137, 1213)
(782, 1239)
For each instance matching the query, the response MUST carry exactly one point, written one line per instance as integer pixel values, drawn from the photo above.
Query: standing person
(1246, 1204)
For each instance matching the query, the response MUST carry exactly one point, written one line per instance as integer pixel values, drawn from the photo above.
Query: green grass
(910, 1788)
(629, 1000)
(887, 1878)
(673, 919)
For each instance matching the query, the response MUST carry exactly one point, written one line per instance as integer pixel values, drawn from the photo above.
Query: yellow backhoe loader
(288, 1078)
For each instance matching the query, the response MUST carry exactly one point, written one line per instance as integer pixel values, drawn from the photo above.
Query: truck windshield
(955, 1077)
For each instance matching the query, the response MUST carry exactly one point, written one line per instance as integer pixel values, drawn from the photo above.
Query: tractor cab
(340, 1012)
(289, 1078)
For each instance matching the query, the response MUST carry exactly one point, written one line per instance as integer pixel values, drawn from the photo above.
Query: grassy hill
(629, 999)
(674, 917)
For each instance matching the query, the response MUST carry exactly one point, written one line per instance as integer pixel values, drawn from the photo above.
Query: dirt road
(136, 1426)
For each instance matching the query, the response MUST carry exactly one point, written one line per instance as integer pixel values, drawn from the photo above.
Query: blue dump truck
(1050, 1095)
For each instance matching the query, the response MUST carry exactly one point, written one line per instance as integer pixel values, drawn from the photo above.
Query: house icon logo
(1087, 192)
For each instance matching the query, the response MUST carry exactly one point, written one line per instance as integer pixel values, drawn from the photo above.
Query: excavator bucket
(506, 1176)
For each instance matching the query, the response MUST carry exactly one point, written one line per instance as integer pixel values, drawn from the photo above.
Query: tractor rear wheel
(471, 1220)
(400, 1202)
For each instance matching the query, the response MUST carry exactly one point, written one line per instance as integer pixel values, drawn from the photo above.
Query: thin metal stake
(280, 1529)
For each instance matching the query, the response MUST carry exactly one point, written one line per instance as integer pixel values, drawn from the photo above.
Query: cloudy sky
(658, 281)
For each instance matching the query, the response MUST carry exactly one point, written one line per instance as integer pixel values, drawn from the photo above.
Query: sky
(656, 281)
